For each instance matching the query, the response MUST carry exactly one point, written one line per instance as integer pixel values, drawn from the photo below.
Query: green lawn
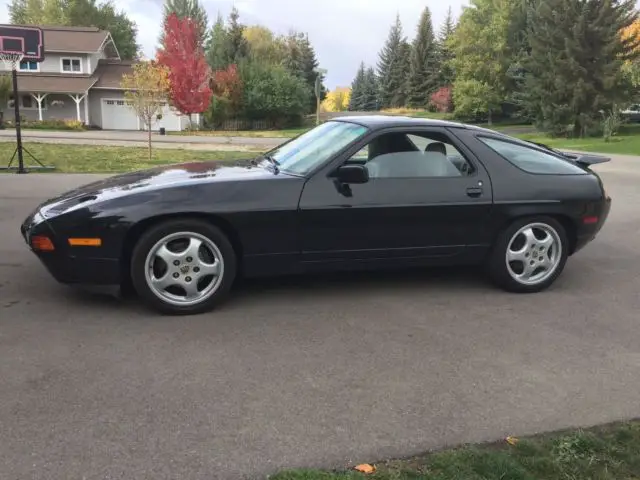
(627, 142)
(286, 133)
(100, 159)
(610, 452)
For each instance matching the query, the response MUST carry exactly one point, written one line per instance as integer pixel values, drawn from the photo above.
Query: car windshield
(314, 148)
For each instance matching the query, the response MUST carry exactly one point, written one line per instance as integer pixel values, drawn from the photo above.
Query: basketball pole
(16, 105)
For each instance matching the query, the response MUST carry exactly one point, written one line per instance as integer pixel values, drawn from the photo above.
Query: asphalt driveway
(319, 372)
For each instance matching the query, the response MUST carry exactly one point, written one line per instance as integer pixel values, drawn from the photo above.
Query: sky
(343, 32)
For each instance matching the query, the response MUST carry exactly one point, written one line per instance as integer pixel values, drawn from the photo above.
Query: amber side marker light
(42, 244)
(85, 242)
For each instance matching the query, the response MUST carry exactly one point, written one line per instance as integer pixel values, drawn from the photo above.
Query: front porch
(44, 106)
(55, 97)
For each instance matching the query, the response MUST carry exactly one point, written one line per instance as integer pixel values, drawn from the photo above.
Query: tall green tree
(391, 61)
(237, 47)
(301, 61)
(445, 51)
(79, 13)
(216, 45)
(575, 65)
(357, 100)
(370, 91)
(482, 52)
(188, 9)
(423, 71)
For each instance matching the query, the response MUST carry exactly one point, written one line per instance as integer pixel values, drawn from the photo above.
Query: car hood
(153, 179)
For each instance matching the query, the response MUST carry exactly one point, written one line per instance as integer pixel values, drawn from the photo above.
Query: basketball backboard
(29, 41)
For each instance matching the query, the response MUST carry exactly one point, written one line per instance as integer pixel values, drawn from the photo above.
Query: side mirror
(352, 174)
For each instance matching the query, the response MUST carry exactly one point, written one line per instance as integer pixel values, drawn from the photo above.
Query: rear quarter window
(531, 160)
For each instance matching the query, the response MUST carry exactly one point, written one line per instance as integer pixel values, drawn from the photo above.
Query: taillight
(590, 220)
(42, 243)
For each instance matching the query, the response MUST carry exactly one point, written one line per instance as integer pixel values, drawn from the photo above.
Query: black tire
(158, 232)
(498, 269)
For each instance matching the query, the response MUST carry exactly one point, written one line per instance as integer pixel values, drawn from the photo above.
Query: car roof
(375, 122)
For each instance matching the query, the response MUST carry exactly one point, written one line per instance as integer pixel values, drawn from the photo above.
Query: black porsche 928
(354, 192)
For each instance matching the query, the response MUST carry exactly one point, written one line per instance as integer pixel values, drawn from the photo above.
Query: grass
(101, 159)
(609, 452)
(627, 142)
(286, 133)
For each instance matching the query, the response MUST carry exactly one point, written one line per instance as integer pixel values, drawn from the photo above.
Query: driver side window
(412, 155)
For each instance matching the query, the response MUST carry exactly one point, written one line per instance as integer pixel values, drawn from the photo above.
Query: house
(79, 79)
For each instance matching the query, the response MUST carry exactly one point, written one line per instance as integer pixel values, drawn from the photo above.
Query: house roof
(110, 72)
(55, 83)
(63, 39)
(73, 39)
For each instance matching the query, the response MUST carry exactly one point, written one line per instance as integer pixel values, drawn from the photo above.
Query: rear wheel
(529, 255)
(183, 267)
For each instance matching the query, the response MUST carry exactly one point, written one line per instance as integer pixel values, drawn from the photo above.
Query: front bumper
(65, 264)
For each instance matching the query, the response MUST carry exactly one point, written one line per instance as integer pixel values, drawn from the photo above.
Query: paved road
(319, 372)
(129, 138)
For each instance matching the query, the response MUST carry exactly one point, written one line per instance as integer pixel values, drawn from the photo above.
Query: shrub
(48, 124)
(272, 93)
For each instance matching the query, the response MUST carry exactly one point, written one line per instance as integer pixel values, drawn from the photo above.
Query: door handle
(474, 191)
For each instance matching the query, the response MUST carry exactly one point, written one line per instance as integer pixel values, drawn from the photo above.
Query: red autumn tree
(442, 100)
(183, 56)
(227, 85)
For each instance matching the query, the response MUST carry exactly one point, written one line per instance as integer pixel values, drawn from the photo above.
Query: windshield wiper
(272, 161)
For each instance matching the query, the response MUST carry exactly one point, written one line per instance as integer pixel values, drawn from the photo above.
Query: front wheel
(529, 255)
(183, 267)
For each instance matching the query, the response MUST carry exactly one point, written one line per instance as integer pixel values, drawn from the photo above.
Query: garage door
(116, 115)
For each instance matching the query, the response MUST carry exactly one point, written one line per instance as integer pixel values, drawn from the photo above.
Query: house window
(28, 66)
(26, 101)
(71, 65)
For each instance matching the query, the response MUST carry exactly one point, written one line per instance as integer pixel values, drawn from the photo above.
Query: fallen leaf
(512, 440)
(365, 468)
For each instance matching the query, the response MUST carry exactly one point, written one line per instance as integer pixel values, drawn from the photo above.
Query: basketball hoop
(18, 44)
(11, 60)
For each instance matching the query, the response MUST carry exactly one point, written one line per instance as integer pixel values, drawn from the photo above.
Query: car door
(401, 212)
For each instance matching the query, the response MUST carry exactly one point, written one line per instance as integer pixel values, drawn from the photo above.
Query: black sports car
(355, 192)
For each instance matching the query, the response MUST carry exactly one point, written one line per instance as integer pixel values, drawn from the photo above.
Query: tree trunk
(149, 133)
(489, 117)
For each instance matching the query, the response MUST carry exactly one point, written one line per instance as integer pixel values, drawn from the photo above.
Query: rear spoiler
(588, 160)
(584, 160)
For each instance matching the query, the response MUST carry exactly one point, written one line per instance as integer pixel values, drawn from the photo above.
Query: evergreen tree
(309, 64)
(187, 9)
(237, 47)
(216, 45)
(302, 62)
(400, 76)
(423, 71)
(574, 69)
(445, 52)
(358, 90)
(370, 91)
(390, 63)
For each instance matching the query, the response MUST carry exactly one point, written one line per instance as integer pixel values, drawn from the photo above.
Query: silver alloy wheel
(184, 268)
(533, 253)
